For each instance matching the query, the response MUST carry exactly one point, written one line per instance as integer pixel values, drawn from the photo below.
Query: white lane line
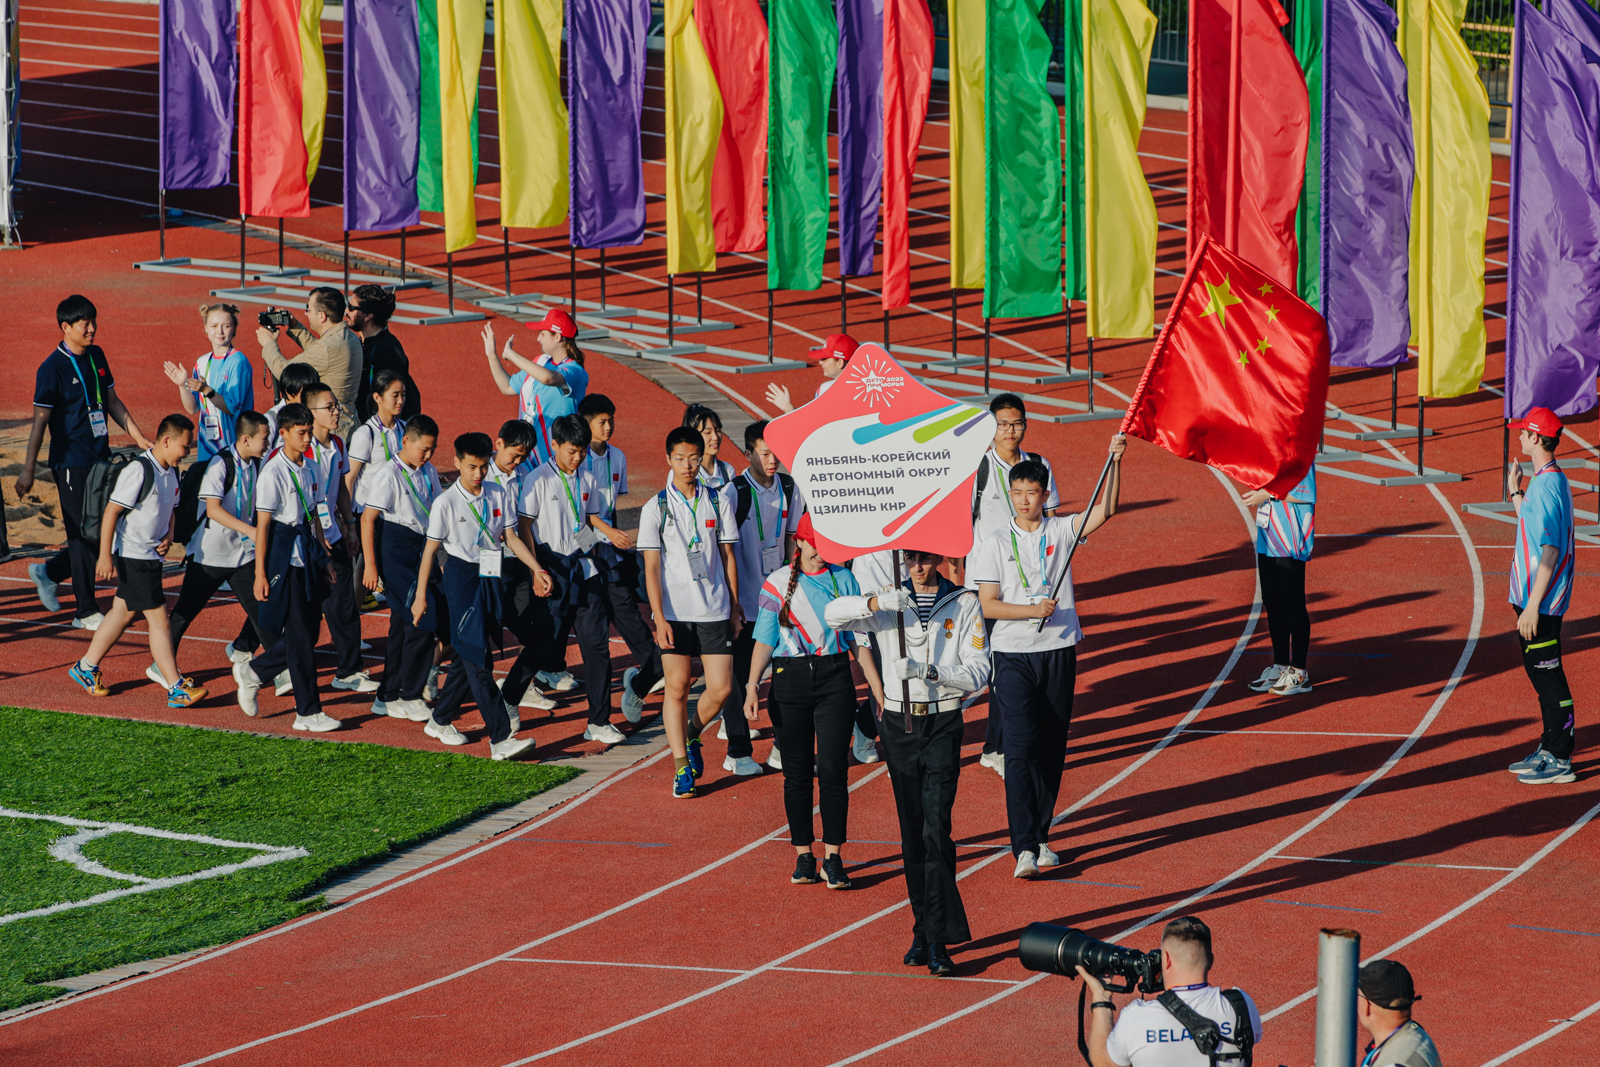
(1394, 863)
(98, 48)
(748, 404)
(32, 85)
(1295, 733)
(85, 107)
(735, 970)
(82, 29)
(81, 132)
(81, 159)
(1564, 1024)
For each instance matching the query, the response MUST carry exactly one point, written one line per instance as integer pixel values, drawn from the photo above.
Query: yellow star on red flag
(1221, 298)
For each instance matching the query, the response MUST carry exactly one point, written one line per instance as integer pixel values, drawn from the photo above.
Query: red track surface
(1377, 802)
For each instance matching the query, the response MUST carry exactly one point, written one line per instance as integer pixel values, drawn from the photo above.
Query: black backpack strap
(1205, 1033)
(979, 486)
(227, 472)
(149, 482)
(666, 514)
(1244, 1033)
(744, 495)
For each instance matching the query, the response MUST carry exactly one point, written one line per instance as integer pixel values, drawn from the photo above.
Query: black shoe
(805, 870)
(940, 965)
(833, 872)
(917, 954)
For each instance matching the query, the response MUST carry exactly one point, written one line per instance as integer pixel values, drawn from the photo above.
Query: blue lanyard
(694, 512)
(98, 403)
(245, 512)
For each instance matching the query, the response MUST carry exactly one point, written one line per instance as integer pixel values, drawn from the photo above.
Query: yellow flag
(966, 143)
(313, 84)
(460, 56)
(694, 123)
(1450, 197)
(1119, 212)
(533, 115)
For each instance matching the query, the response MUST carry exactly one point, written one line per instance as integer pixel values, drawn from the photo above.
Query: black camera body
(275, 318)
(1062, 949)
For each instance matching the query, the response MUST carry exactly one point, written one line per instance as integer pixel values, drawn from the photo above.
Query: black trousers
(812, 704)
(200, 584)
(744, 646)
(590, 618)
(293, 652)
(991, 726)
(526, 616)
(77, 560)
(408, 656)
(1034, 693)
(462, 677)
(341, 610)
(1283, 595)
(867, 710)
(1541, 658)
(923, 768)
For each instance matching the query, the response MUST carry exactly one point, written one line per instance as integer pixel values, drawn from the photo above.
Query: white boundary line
(1564, 1024)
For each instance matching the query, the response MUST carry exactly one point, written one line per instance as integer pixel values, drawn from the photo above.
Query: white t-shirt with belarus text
(402, 492)
(1146, 1034)
(216, 545)
(1026, 565)
(290, 492)
(702, 525)
(467, 524)
(993, 505)
(560, 505)
(140, 529)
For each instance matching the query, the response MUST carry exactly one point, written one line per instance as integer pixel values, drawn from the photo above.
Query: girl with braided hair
(812, 699)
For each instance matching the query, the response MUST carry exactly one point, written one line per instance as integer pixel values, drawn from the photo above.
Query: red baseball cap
(837, 346)
(1541, 421)
(805, 531)
(556, 321)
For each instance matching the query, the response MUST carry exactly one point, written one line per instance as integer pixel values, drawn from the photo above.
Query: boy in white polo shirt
(135, 533)
(332, 461)
(471, 520)
(1016, 571)
(686, 536)
(521, 607)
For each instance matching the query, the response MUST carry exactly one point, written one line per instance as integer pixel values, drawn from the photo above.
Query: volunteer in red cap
(831, 357)
(546, 388)
(1542, 565)
(812, 700)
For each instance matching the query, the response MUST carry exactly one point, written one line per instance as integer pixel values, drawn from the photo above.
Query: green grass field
(343, 803)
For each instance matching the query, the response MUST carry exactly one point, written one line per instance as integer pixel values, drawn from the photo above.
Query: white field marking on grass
(535, 943)
(1564, 1024)
(70, 850)
(1466, 905)
(1322, 817)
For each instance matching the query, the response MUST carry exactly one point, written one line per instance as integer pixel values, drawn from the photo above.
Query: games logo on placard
(875, 381)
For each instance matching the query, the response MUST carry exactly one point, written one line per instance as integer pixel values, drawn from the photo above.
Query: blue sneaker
(1528, 763)
(683, 784)
(697, 759)
(1550, 771)
(89, 678)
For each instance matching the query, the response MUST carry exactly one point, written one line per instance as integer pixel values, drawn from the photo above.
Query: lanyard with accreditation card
(771, 555)
(95, 407)
(1044, 573)
(693, 548)
(488, 561)
(306, 510)
(582, 532)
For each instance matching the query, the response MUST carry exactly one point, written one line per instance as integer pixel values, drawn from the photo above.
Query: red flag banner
(734, 35)
(1239, 376)
(1247, 132)
(907, 80)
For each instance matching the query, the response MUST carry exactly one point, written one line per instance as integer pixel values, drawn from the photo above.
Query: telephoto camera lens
(1061, 949)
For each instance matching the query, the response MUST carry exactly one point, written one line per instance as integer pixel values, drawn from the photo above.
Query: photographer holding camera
(331, 348)
(1172, 1029)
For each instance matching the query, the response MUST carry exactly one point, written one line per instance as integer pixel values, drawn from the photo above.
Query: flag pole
(672, 280)
(900, 629)
(1420, 432)
(844, 306)
(952, 317)
(402, 253)
(1394, 396)
(602, 276)
(1088, 346)
(280, 249)
(505, 245)
(161, 213)
(769, 325)
(986, 354)
(1072, 549)
(242, 218)
(572, 276)
(346, 254)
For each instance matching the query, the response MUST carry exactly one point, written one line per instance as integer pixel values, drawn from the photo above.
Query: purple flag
(199, 75)
(605, 100)
(1553, 265)
(382, 114)
(1367, 166)
(860, 131)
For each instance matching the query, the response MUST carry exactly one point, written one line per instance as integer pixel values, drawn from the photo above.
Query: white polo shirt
(271, 415)
(405, 494)
(560, 505)
(290, 492)
(512, 484)
(718, 477)
(994, 503)
(466, 524)
(333, 463)
(698, 525)
(1012, 559)
(373, 443)
(1146, 1034)
(772, 516)
(610, 474)
(141, 528)
(213, 544)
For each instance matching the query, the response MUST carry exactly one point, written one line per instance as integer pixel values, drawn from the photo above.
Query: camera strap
(1205, 1033)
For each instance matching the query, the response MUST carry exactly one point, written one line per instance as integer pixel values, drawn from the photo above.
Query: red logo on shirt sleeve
(497, 513)
(711, 524)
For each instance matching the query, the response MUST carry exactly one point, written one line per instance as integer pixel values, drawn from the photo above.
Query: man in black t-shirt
(75, 396)
(367, 314)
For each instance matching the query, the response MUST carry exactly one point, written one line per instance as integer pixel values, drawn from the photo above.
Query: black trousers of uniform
(200, 584)
(744, 646)
(463, 677)
(590, 619)
(77, 560)
(1034, 693)
(1541, 658)
(923, 768)
(991, 727)
(1283, 595)
(341, 610)
(525, 615)
(293, 652)
(408, 656)
(812, 704)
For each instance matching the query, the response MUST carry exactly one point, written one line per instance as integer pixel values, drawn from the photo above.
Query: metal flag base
(1419, 473)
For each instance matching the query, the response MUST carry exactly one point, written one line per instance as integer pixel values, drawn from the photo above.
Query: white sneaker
(360, 682)
(632, 706)
(995, 761)
(559, 682)
(659, 687)
(1047, 856)
(417, 711)
(516, 719)
(411, 710)
(430, 690)
(317, 724)
(237, 655)
(1026, 866)
(153, 673)
(510, 748)
(1293, 680)
(864, 748)
(722, 730)
(1268, 678)
(775, 759)
(604, 732)
(44, 587)
(381, 707)
(365, 646)
(282, 685)
(532, 698)
(446, 734)
(89, 622)
(743, 766)
(249, 686)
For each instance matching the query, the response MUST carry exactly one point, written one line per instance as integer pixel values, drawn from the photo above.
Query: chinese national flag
(1239, 376)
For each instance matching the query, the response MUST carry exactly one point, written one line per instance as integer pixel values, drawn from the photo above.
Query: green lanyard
(1000, 484)
(577, 516)
(383, 434)
(834, 581)
(294, 480)
(694, 513)
(755, 505)
(426, 510)
(482, 525)
(1016, 557)
(611, 501)
(99, 401)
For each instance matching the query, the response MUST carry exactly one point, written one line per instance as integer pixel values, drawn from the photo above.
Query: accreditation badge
(488, 564)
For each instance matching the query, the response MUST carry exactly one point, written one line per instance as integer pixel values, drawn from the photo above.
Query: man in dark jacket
(368, 315)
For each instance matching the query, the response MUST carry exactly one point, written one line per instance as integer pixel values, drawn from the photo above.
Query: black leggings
(812, 704)
(200, 584)
(1283, 594)
(1541, 658)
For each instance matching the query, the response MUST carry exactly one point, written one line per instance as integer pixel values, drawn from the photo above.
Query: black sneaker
(805, 870)
(833, 873)
(917, 954)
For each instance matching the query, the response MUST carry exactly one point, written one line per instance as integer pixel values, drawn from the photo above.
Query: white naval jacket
(954, 641)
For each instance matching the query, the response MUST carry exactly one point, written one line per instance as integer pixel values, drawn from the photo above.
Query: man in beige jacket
(330, 348)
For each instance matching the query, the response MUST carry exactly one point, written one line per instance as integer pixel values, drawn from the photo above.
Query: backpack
(99, 484)
(983, 479)
(1206, 1034)
(743, 500)
(191, 514)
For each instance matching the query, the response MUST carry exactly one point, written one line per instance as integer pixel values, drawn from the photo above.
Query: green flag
(1307, 39)
(1076, 276)
(430, 149)
(1022, 166)
(804, 46)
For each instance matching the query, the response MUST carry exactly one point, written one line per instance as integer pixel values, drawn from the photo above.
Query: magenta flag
(199, 76)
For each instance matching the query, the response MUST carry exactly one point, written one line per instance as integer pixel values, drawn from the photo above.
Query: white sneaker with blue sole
(1551, 771)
